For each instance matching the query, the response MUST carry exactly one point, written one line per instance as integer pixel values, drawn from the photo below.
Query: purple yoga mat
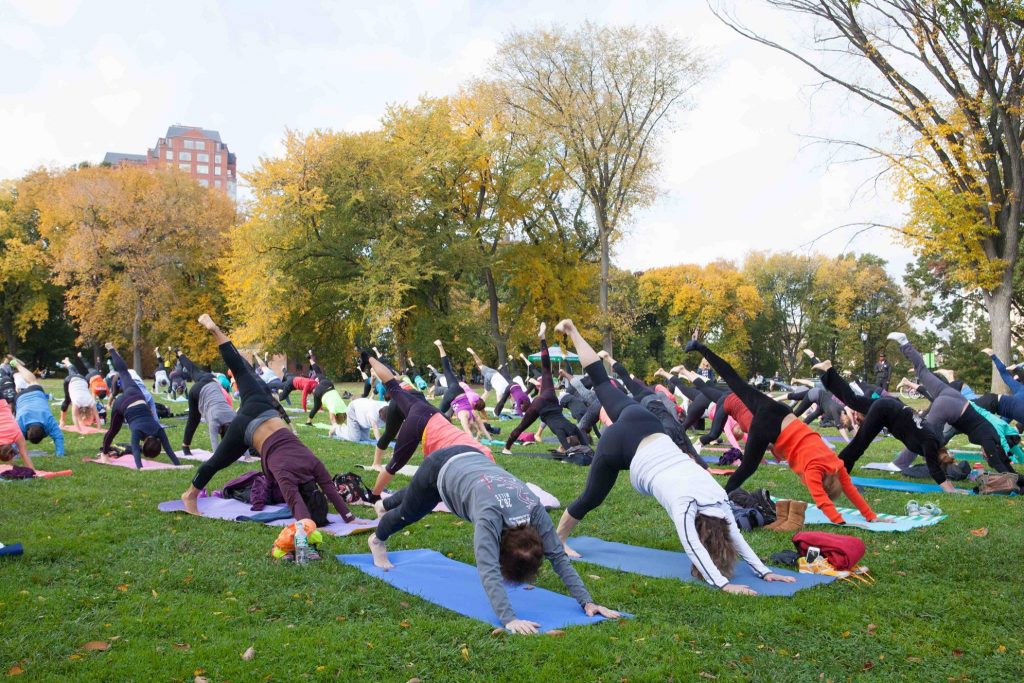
(230, 509)
(129, 462)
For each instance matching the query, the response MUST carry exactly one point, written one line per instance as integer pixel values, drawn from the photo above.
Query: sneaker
(820, 566)
(931, 509)
(312, 555)
(913, 508)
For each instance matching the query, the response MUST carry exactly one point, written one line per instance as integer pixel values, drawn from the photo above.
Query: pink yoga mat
(41, 473)
(81, 430)
(230, 509)
(199, 455)
(128, 461)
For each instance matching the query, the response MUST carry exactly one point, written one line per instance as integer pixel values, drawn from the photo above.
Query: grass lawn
(178, 597)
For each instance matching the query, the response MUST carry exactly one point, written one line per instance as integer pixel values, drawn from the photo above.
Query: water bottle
(301, 543)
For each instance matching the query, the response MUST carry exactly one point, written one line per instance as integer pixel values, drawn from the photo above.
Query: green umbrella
(555, 352)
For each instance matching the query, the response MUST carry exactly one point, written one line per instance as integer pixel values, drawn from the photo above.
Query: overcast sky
(84, 78)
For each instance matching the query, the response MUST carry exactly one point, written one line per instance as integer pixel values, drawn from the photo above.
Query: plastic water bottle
(301, 543)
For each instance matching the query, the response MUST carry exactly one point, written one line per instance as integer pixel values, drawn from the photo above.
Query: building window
(216, 183)
(216, 170)
(184, 156)
(203, 170)
(169, 155)
(204, 182)
(204, 158)
(216, 159)
(200, 144)
(188, 144)
(168, 143)
(187, 168)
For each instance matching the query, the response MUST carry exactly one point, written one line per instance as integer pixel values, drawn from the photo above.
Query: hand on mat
(779, 577)
(522, 627)
(570, 552)
(592, 610)
(738, 589)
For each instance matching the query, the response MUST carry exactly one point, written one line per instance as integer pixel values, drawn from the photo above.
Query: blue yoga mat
(667, 564)
(896, 485)
(12, 549)
(456, 586)
(899, 523)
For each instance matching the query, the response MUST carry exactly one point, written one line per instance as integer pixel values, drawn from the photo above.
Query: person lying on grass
(697, 504)
(512, 533)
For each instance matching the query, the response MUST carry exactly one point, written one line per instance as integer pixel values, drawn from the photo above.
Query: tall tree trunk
(137, 337)
(998, 304)
(10, 339)
(606, 330)
(494, 324)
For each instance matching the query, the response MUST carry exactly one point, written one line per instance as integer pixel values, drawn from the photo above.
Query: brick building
(196, 151)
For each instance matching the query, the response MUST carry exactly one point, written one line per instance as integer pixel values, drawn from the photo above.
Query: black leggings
(631, 424)
(129, 388)
(981, 433)
(256, 400)
(765, 424)
(718, 422)
(454, 388)
(545, 398)
(418, 499)
(322, 388)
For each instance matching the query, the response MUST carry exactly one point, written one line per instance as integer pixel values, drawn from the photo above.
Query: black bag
(747, 518)
(760, 500)
(163, 411)
(316, 501)
(352, 489)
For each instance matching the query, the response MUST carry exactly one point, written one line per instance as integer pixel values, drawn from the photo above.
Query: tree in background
(124, 243)
(786, 283)
(951, 74)
(25, 290)
(601, 97)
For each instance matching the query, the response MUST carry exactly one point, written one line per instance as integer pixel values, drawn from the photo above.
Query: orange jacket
(811, 459)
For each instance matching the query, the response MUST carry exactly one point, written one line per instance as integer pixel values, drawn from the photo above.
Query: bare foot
(378, 507)
(677, 369)
(191, 502)
(380, 553)
(604, 354)
(206, 321)
(470, 351)
(108, 346)
(437, 343)
(565, 326)
(542, 331)
(823, 366)
(809, 353)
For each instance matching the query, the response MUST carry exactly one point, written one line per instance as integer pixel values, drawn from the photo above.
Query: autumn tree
(131, 245)
(24, 272)
(601, 97)
(951, 75)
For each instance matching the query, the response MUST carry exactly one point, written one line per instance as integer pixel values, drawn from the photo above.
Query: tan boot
(795, 519)
(781, 514)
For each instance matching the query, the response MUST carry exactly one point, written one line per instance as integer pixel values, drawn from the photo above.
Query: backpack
(351, 487)
(316, 501)
(760, 500)
(997, 482)
(747, 519)
(731, 456)
(253, 488)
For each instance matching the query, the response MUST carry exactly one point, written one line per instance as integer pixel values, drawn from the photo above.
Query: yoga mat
(81, 430)
(408, 470)
(883, 466)
(456, 586)
(200, 455)
(667, 564)
(902, 522)
(720, 472)
(231, 509)
(128, 461)
(11, 550)
(40, 474)
(896, 485)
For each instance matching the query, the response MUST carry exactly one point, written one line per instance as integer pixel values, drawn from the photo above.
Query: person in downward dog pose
(258, 425)
(32, 408)
(147, 435)
(697, 504)
(731, 417)
(161, 377)
(206, 400)
(409, 420)
(887, 412)
(516, 390)
(546, 407)
(78, 395)
(949, 406)
(512, 532)
(818, 467)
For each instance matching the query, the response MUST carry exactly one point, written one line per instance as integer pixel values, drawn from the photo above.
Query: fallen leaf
(595, 577)
(74, 657)
(556, 633)
(868, 665)
(980, 533)
(404, 623)
(846, 634)
(98, 645)
(413, 680)
(15, 671)
(248, 654)
(705, 674)
(1001, 649)
(153, 591)
(958, 652)
(123, 587)
(182, 646)
(403, 604)
(465, 652)
(871, 629)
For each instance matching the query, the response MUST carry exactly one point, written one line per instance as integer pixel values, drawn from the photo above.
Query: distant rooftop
(114, 158)
(177, 131)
